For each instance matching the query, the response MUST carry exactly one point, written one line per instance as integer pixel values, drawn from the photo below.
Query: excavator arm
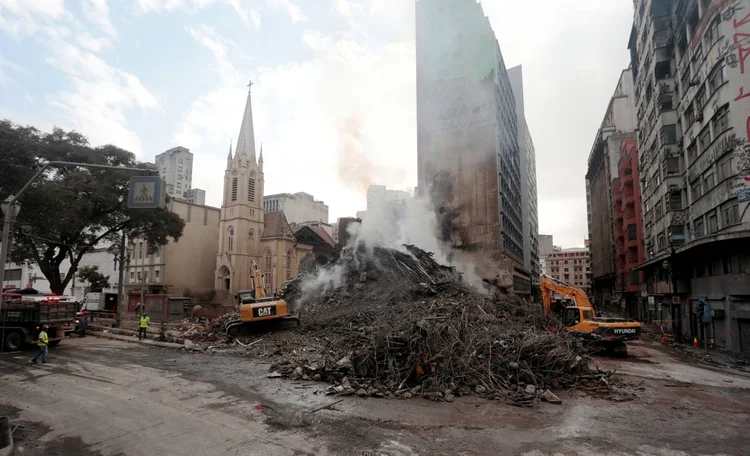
(550, 285)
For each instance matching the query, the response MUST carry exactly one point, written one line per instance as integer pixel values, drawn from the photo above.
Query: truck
(580, 319)
(22, 317)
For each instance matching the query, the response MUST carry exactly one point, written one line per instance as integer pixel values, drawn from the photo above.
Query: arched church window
(234, 189)
(268, 260)
(251, 235)
(289, 259)
(230, 239)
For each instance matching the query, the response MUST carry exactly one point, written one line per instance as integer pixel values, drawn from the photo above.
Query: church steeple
(229, 157)
(260, 159)
(246, 140)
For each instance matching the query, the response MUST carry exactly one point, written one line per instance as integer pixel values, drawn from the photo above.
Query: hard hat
(143, 314)
(45, 327)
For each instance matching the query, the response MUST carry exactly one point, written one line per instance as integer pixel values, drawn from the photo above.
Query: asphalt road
(103, 397)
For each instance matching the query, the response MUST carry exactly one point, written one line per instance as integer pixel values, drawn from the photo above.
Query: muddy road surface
(104, 397)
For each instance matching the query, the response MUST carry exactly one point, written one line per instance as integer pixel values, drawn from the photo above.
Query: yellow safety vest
(43, 339)
(144, 322)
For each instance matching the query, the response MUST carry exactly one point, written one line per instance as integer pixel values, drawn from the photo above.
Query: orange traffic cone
(695, 342)
(664, 338)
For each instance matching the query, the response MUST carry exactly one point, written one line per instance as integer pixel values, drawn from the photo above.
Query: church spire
(260, 158)
(246, 140)
(229, 156)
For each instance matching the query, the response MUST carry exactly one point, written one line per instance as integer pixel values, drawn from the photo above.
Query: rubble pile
(400, 324)
(204, 330)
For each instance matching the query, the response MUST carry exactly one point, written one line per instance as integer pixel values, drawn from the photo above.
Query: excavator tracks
(236, 328)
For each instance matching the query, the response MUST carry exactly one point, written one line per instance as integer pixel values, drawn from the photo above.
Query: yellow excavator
(258, 311)
(580, 318)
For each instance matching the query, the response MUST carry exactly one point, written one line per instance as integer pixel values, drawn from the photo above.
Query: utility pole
(120, 280)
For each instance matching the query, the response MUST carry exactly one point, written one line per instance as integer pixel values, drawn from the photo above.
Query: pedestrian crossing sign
(146, 192)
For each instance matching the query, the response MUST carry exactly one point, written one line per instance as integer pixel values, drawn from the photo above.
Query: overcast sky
(148, 75)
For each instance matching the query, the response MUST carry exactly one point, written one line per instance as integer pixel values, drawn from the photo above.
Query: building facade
(618, 126)
(248, 235)
(298, 207)
(468, 158)
(529, 209)
(628, 228)
(196, 196)
(692, 87)
(570, 266)
(176, 169)
(178, 268)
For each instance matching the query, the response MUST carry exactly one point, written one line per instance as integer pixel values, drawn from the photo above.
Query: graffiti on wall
(737, 62)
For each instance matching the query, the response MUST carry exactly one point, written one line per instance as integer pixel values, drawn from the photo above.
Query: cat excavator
(258, 312)
(580, 319)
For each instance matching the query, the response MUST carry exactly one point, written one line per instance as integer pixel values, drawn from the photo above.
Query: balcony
(665, 89)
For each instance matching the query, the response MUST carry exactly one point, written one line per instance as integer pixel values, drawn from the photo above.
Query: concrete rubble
(414, 328)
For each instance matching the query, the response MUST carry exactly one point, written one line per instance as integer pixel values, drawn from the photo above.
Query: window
(700, 100)
(696, 189)
(179, 169)
(179, 160)
(669, 134)
(289, 259)
(251, 190)
(713, 223)
(731, 215)
(140, 250)
(716, 78)
(171, 190)
(660, 241)
(705, 139)
(675, 200)
(268, 260)
(156, 275)
(659, 210)
(13, 274)
(710, 181)
(725, 169)
(691, 151)
(234, 189)
(721, 120)
(673, 165)
(132, 276)
(179, 177)
(689, 116)
(631, 232)
(699, 231)
(230, 239)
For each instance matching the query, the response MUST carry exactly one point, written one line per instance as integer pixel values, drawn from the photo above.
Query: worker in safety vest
(43, 343)
(145, 321)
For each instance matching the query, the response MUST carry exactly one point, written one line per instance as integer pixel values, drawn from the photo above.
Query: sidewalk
(127, 335)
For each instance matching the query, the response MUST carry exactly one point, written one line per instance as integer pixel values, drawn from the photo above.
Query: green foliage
(69, 210)
(96, 280)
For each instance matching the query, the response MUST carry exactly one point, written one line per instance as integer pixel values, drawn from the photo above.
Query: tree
(70, 210)
(96, 280)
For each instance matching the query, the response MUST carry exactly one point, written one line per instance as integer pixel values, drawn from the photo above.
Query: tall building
(196, 196)
(546, 246)
(692, 90)
(570, 266)
(298, 207)
(377, 195)
(617, 127)
(176, 169)
(468, 158)
(529, 210)
(247, 233)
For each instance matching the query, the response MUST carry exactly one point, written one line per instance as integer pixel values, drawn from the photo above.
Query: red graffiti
(747, 128)
(744, 54)
(745, 20)
(742, 94)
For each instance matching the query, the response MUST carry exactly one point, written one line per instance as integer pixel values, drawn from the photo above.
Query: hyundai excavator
(258, 311)
(580, 318)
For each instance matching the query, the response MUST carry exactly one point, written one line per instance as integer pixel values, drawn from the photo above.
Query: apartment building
(298, 207)
(692, 88)
(570, 266)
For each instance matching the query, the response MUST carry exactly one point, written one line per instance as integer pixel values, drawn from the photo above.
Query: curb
(133, 340)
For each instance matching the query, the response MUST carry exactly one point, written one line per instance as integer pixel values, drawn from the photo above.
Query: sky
(333, 86)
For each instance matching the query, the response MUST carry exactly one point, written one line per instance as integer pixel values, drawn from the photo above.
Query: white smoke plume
(393, 224)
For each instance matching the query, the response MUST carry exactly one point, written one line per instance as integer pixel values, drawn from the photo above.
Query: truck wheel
(13, 341)
(54, 343)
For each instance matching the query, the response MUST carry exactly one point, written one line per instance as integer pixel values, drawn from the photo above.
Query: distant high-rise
(468, 157)
(529, 210)
(176, 169)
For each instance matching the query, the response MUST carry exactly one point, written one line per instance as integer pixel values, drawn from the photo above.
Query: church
(247, 233)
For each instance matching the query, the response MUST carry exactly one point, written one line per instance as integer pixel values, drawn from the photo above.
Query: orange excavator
(258, 311)
(580, 318)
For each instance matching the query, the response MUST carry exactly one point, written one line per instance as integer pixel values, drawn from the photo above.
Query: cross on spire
(249, 85)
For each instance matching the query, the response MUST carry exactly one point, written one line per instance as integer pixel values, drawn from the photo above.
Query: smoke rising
(391, 225)
(355, 169)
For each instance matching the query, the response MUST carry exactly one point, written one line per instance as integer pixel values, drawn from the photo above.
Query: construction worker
(145, 321)
(43, 343)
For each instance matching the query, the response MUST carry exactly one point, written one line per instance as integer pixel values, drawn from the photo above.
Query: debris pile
(204, 330)
(384, 322)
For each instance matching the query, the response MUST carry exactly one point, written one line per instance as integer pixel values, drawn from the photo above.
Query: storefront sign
(651, 303)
